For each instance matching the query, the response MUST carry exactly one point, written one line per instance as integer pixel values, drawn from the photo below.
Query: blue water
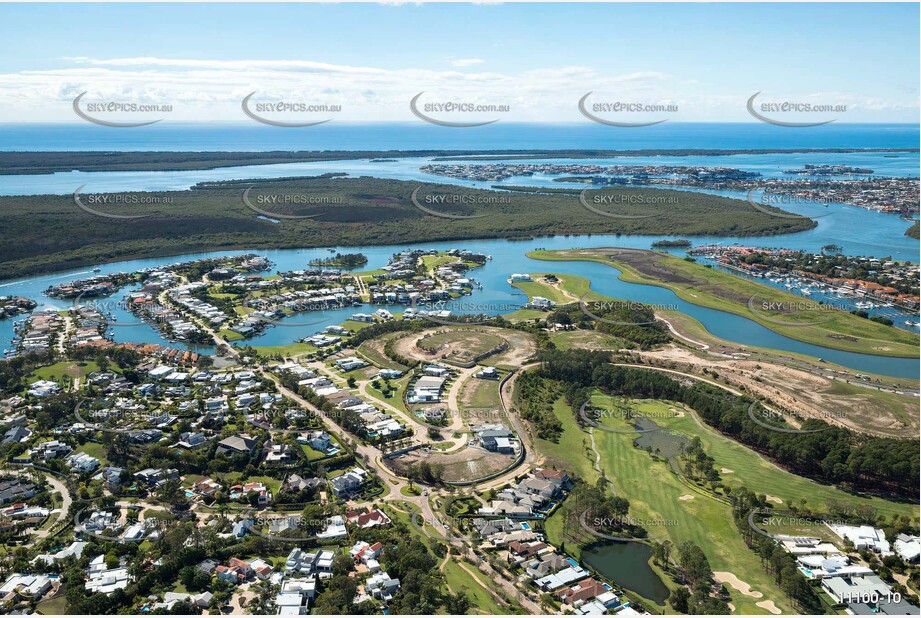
(859, 231)
(508, 257)
(65, 183)
(416, 136)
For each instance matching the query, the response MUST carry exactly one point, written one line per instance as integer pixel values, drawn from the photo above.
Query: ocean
(421, 136)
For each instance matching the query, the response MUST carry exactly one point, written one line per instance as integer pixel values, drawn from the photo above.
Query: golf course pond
(628, 565)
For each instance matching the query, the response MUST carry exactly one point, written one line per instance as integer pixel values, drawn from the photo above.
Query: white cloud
(466, 62)
(211, 90)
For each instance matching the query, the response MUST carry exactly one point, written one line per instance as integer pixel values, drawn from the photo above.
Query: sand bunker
(774, 499)
(725, 577)
(726, 471)
(768, 605)
(686, 497)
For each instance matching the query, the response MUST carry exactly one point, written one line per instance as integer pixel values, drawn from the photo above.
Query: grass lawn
(373, 351)
(762, 476)
(68, 369)
(94, 449)
(586, 340)
(525, 315)
(479, 393)
(716, 289)
(433, 262)
(311, 454)
(396, 395)
(571, 452)
(53, 607)
(538, 288)
(292, 349)
(355, 325)
(230, 335)
(476, 588)
(654, 492)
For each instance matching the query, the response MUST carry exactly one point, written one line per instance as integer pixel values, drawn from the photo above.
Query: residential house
(236, 445)
(368, 518)
(346, 485)
(582, 592)
(81, 463)
(907, 548)
(295, 596)
(381, 586)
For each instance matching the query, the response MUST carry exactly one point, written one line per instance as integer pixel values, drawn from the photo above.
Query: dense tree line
(534, 397)
(370, 211)
(633, 322)
(834, 455)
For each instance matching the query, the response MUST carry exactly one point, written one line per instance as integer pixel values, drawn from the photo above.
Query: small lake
(627, 565)
(664, 443)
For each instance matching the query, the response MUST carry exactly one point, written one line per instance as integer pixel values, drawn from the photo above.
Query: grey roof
(238, 443)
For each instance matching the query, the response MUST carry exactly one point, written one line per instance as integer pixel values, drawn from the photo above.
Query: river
(859, 231)
(494, 298)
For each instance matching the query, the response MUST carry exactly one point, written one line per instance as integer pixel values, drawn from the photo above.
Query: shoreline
(20, 162)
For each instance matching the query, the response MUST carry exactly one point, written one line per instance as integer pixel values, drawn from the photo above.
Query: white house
(81, 463)
(907, 547)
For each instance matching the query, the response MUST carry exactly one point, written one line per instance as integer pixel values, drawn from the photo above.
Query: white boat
(911, 323)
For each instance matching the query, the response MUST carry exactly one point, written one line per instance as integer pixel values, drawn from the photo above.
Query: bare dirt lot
(521, 345)
(809, 395)
(464, 465)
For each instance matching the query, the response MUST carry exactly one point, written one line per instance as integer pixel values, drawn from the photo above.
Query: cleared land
(464, 465)
(459, 346)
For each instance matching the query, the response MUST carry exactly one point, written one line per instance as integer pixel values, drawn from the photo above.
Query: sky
(526, 62)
